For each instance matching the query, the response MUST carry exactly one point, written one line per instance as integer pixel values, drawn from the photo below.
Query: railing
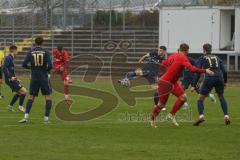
(76, 39)
(72, 40)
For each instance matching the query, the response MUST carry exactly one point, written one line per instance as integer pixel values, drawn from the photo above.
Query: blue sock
(224, 105)
(200, 107)
(131, 75)
(29, 106)
(22, 98)
(14, 99)
(48, 108)
(155, 98)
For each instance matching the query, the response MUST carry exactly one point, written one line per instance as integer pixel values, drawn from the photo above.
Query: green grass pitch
(113, 138)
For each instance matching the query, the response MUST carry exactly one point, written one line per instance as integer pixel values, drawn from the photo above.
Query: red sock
(178, 104)
(66, 89)
(155, 113)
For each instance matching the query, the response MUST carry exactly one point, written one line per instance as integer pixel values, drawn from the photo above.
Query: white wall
(237, 29)
(225, 35)
(194, 26)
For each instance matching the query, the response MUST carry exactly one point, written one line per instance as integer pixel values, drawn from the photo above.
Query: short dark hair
(207, 48)
(60, 48)
(12, 47)
(184, 47)
(39, 41)
(163, 48)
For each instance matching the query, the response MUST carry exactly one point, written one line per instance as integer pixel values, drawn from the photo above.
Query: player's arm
(6, 72)
(193, 69)
(194, 63)
(66, 57)
(26, 61)
(166, 63)
(2, 58)
(55, 59)
(143, 58)
(225, 76)
(199, 64)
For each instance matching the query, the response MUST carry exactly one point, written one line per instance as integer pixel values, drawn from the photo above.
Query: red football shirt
(60, 59)
(175, 65)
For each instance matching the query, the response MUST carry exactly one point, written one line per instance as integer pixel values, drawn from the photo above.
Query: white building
(199, 24)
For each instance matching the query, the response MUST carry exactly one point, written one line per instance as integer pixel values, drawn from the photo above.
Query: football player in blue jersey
(38, 60)
(12, 81)
(187, 80)
(216, 81)
(150, 70)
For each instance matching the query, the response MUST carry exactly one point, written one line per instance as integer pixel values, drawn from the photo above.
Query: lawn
(115, 135)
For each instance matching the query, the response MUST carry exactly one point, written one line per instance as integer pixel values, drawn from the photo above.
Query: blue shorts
(14, 85)
(152, 72)
(186, 83)
(212, 82)
(37, 84)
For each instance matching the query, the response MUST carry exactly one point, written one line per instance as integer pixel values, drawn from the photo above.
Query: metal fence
(90, 13)
(74, 39)
(62, 13)
(24, 19)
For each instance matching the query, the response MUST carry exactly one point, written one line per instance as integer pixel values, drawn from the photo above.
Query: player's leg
(34, 89)
(65, 79)
(129, 76)
(185, 84)
(46, 91)
(153, 81)
(204, 91)
(48, 107)
(66, 82)
(16, 87)
(224, 106)
(28, 109)
(219, 87)
(22, 94)
(210, 95)
(181, 99)
(155, 98)
(12, 102)
(157, 108)
(200, 105)
(164, 90)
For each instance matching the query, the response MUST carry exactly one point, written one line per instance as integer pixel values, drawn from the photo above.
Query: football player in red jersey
(61, 66)
(168, 83)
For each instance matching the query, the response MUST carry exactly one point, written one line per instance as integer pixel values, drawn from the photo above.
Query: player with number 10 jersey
(40, 65)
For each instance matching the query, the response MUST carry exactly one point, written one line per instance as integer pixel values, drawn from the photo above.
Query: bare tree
(46, 6)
